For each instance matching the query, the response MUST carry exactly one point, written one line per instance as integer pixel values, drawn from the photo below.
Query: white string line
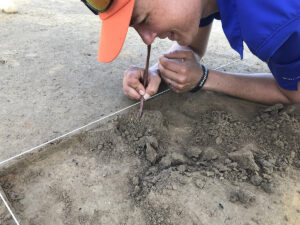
(232, 62)
(74, 131)
(8, 208)
(91, 123)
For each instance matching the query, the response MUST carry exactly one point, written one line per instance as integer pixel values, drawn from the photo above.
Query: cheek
(160, 22)
(189, 29)
(190, 24)
(157, 26)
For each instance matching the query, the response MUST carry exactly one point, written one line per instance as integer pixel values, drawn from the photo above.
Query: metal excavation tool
(145, 78)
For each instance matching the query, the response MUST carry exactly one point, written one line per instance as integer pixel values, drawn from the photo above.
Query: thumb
(152, 87)
(132, 83)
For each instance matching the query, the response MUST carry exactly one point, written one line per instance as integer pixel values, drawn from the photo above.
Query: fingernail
(146, 96)
(141, 92)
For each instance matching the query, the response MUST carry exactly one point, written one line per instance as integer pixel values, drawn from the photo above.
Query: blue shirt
(271, 30)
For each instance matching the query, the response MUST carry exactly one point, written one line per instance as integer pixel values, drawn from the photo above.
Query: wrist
(202, 81)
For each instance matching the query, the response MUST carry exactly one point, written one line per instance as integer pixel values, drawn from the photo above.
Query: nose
(147, 36)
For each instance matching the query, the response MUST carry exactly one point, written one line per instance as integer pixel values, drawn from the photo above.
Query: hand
(180, 70)
(132, 83)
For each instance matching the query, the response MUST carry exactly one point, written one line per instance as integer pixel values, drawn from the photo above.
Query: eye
(137, 22)
(145, 20)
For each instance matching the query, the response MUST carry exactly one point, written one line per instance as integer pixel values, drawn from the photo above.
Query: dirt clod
(243, 196)
(256, 180)
(268, 187)
(245, 159)
(165, 162)
(178, 159)
(193, 152)
(182, 168)
(151, 154)
(210, 154)
(267, 166)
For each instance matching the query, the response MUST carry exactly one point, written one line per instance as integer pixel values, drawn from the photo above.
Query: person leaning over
(271, 30)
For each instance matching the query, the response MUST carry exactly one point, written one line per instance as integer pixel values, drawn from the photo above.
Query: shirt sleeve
(208, 20)
(285, 63)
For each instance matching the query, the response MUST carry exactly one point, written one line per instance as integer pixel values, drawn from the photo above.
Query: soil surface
(191, 159)
(51, 81)
(5, 217)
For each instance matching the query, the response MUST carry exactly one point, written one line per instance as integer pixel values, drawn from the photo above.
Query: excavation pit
(191, 159)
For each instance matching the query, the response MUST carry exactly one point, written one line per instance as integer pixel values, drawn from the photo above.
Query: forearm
(260, 88)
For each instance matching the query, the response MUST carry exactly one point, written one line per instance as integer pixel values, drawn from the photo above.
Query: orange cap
(115, 24)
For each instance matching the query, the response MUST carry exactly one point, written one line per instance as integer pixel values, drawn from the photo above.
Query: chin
(182, 43)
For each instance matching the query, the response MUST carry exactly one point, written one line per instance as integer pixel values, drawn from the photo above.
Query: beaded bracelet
(202, 81)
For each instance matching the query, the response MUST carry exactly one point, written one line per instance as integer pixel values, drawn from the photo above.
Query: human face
(177, 20)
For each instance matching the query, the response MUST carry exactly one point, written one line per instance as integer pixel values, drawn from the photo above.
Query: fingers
(132, 86)
(171, 64)
(132, 94)
(169, 74)
(180, 54)
(154, 82)
(180, 70)
(173, 71)
(176, 87)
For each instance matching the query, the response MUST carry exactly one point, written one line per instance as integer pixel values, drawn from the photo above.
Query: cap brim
(113, 33)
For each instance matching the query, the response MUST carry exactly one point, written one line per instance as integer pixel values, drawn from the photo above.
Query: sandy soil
(191, 159)
(5, 216)
(51, 81)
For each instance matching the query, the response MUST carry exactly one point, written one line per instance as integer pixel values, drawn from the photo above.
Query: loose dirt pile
(5, 217)
(174, 166)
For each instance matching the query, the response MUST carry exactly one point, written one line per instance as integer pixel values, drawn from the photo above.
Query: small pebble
(137, 189)
(199, 183)
(135, 181)
(210, 174)
(105, 173)
(181, 168)
(219, 140)
(227, 161)
(221, 206)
